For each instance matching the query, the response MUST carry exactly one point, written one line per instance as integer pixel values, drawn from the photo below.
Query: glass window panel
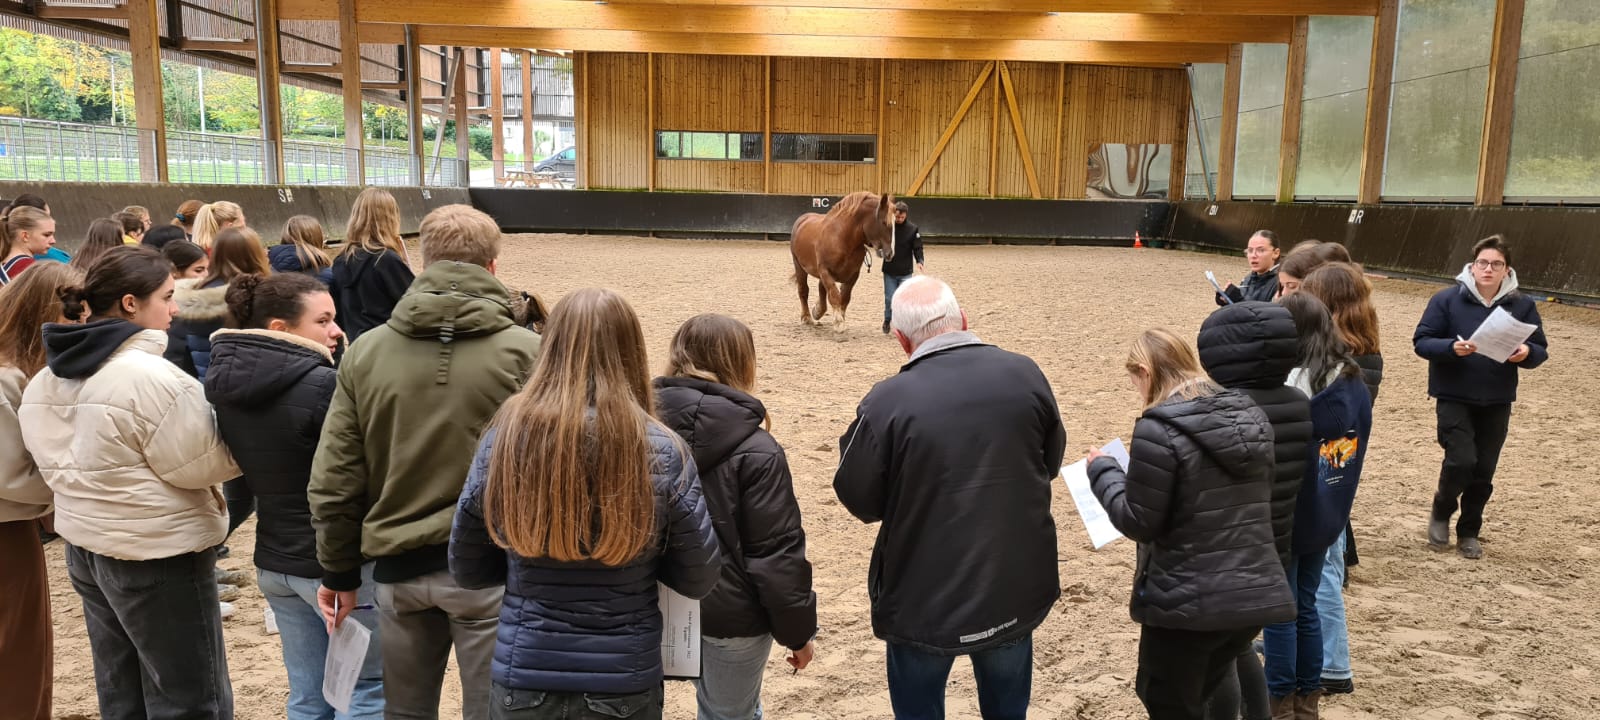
(1255, 163)
(1441, 81)
(750, 146)
(669, 144)
(1206, 91)
(1555, 132)
(1333, 112)
(824, 148)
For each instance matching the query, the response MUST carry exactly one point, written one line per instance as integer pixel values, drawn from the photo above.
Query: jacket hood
(75, 352)
(713, 419)
(200, 304)
(1249, 345)
(1224, 428)
(250, 368)
(1470, 283)
(357, 263)
(450, 300)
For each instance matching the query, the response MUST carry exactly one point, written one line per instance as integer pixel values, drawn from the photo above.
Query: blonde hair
(569, 473)
(459, 233)
(211, 219)
(20, 219)
(374, 224)
(305, 234)
(1171, 365)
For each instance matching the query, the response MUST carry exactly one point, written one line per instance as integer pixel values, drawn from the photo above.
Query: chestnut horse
(832, 247)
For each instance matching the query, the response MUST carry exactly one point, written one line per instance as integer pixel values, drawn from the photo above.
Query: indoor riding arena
(1075, 170)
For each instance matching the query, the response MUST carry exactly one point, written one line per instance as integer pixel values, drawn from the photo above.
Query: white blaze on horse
(832, 247)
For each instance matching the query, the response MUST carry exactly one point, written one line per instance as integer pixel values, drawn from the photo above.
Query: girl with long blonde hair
(371, 272)
(303, 249)
(592, 502)
(213, 218)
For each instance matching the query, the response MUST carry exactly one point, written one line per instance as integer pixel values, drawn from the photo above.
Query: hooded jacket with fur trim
(1457, 312)
(127, 442)
(201, 311)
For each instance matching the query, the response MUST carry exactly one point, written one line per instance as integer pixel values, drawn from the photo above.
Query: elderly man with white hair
(955, 456)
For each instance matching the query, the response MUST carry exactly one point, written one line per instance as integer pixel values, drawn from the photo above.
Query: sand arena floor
(1434, 637)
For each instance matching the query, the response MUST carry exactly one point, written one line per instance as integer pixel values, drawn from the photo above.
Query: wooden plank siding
(1118, 105)
(1035, 84)
(617, 122)
(923, 97)
(828, 96)
(714, 93)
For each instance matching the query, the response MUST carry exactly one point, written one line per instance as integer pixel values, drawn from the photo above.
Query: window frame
(728, 136)
(841, 138)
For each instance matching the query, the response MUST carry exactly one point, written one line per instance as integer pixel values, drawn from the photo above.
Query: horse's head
(880, 227)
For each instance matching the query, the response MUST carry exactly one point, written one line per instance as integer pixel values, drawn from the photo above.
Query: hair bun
(241, 298)
(73, 298)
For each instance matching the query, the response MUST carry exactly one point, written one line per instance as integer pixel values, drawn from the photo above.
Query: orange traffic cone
(1137, 242)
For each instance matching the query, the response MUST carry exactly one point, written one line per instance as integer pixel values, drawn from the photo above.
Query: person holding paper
(1473, 392)
(578, 503)
(955, 457)
(1262, 282)
(765, 588)
(1197, 497)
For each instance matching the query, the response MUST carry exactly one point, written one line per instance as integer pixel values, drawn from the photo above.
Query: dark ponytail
(127, 270)
(256, 300)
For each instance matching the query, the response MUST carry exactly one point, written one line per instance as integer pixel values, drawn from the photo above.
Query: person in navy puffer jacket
(1474, 393)
(580, 502)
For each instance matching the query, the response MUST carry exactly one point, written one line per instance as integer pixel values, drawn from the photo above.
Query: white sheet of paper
(680, 635)
(347, 649)
(1101, 531)
(1213, 278)
(1500, 334)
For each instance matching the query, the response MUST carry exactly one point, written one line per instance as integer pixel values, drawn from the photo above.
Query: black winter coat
(956, 456)
(1458, 311)
(907, 249)
(766, 579)
(366, 287)
(1371, 373)
(286, 259)
(1250, 347)
(271, 391)
(1196, 498)
(582, 626)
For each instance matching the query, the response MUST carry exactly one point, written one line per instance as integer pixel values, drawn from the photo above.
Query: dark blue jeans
(891, 283)
(1005, 681)
(1294, 649)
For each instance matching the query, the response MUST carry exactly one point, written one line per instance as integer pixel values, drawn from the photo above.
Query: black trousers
(1179, 670)
(1472, 436)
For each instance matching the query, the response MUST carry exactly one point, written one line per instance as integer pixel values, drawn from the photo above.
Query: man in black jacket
(955, 456)
(907, 247)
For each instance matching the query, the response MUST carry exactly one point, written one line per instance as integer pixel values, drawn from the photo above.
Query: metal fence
(56, 151)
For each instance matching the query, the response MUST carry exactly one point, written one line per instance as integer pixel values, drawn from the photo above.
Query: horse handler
(907, 246)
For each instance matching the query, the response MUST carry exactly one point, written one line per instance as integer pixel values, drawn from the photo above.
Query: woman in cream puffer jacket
(130, 448)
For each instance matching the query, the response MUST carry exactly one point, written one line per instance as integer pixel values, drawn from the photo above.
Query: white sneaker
(227, 610)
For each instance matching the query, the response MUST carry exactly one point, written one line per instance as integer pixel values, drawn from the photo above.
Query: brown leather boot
(1306, 706)
(1283, 707)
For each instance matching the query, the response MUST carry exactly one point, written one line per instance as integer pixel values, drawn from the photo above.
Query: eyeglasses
(1489, 264)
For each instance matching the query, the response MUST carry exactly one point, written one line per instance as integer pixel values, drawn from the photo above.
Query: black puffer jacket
(765, 585)
(1371, 373)
(366, 287)
(1196, 498)
(1251, 347)
(271, 391)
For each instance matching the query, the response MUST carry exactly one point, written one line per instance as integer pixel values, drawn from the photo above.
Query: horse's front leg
(825, 288)
(841, 301)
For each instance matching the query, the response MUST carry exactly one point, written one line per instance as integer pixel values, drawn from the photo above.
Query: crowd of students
(423, 462)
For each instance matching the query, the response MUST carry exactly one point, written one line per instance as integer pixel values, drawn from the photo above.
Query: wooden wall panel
(708, 92)
(710, 175)
(923, 97)
(1118, 105)
(825, 95)
(1035, 84)
(822, 178)
(618, 124)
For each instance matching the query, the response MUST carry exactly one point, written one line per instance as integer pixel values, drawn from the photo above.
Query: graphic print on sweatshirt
(1334, 455)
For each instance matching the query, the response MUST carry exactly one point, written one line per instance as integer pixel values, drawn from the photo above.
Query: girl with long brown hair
(202, 307)
(303, 249)
(765, 587)
(371, 272)
(593, 502)
(1196, 496)
(103, 235)
(25, 500)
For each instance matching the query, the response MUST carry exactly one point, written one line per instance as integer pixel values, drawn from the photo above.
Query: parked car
(564, 164)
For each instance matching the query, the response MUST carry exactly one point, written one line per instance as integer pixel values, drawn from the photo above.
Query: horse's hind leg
(803, 281)
(842, 302)
(825, 286)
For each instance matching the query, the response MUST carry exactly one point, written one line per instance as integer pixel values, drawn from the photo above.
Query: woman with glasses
(1474, 393)
(1262, 283)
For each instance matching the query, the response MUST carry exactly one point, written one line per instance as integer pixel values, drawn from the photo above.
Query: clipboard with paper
(1095, 519)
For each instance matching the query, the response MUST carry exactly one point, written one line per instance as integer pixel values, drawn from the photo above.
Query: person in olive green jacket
(413, 396)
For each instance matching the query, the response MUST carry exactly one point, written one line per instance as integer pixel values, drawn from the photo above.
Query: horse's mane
(851, 204)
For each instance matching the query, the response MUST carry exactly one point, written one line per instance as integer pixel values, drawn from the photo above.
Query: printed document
(1499, 335)
(347, 649)
(1213, 278)
(1101, 531)
(680, 635)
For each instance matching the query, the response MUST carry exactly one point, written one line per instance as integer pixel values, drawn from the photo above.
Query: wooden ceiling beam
(1088, 52)
(1161, 7)
(843, 22)
(80, 11)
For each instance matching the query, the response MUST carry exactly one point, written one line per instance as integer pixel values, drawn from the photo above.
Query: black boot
(886, 327)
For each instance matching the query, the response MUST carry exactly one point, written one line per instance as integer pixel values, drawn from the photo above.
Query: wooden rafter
(950, 131)
(425, 11)
(1022, 135)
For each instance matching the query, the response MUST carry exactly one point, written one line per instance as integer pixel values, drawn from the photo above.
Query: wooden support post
(355, 133)
(650, 122)
(497, 112)
(1228, 144)
(766, 125)
(1294, 91)
(463, 142)
(269, 88)
(1180, 149)
(1375, 144)
(174, 19)
(1022, 134)
(144, 41)
(1061, 114)
(883, 112)
(527, 110)
(1494, 153)
(583, 124)
(994, 132)
(950, 130)
(413, 56)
